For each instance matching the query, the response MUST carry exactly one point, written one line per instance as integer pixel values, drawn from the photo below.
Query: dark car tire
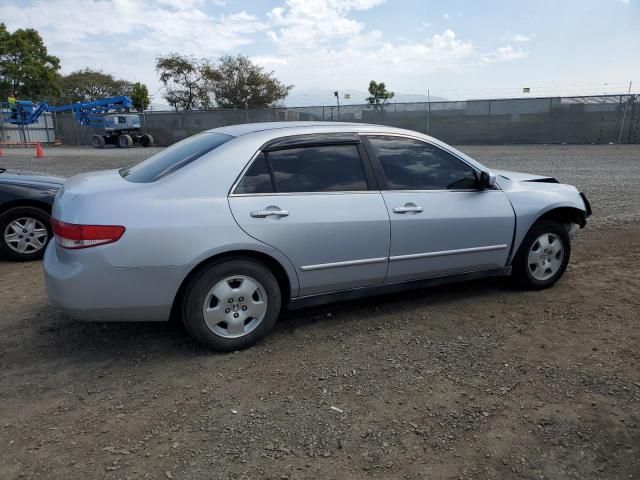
(15, 214)
(528, 268)
(198, 295)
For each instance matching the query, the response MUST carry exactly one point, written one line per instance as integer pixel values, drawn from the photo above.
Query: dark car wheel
(543, 255)
(231, 304)
(24, 233)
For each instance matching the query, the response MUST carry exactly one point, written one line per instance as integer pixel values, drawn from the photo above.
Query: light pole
(337, 100)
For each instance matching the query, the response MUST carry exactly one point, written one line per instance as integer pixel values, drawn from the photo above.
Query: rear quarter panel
(178, 221)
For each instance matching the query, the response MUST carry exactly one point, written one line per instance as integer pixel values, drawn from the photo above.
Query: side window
(257, 178)
(410, 164)
(327, 168)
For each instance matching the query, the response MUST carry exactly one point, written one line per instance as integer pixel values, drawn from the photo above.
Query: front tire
(543, 255)
(24, 233)
(231, 304)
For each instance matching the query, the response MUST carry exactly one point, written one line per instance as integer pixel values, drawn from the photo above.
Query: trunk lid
(31, 178)
(96, 198)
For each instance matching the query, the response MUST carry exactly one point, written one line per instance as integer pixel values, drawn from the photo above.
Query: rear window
(174, 157)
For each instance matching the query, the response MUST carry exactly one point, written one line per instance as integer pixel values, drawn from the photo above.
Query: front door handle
(408, 208)
(275, 211)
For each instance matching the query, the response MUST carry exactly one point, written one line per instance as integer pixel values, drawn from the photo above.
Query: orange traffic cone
(39, 152)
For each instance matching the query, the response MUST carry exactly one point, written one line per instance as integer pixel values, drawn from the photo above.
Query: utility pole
(338, 100)
(428, 110)
(624, 115)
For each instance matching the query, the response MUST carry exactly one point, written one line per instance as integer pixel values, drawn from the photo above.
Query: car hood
(524, 177)
(30, 178)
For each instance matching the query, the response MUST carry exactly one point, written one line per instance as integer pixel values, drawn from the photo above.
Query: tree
(85, 85)
(239, 83)
(26, 69)
(379, 95)
(186, 81)
(140, 96)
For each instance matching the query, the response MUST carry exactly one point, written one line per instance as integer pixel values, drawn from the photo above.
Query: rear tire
(24, 233)
(146, 140)
(231, 304)
(125, 141)
(97, 141)
(543, 255)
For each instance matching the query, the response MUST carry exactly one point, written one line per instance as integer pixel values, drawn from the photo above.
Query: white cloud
(123, 37)
(401, 65)
(307, 24)
(307, 42)
(504, 54)
(446, 16)
(518, 37)
(164, 26)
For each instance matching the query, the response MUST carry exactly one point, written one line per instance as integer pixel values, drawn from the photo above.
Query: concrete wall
(510, 121)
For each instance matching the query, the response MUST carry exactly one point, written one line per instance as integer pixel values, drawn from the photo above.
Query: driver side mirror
(487, 180)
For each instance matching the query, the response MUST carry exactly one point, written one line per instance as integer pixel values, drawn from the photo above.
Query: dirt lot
(478, 380)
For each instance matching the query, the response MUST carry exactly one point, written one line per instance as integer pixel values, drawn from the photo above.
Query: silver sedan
(229, 226)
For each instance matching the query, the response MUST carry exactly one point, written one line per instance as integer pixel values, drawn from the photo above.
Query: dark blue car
(25, 205)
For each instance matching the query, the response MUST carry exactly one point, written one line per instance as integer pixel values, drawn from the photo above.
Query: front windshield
(174, 157)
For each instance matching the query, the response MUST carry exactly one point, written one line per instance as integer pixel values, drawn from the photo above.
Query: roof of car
(270, 130)
(246, 128)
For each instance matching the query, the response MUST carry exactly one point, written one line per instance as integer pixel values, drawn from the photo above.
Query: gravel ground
(478, 380)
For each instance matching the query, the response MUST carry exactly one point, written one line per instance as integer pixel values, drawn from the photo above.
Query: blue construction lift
(121, 129)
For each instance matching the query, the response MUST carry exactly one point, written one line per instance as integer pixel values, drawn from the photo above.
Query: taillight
(71, 235)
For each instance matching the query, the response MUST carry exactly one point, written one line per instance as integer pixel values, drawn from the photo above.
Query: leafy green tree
(239, 83)
(379, 95)
(85, 85)
(27, 70)
(186, 80)
(140, 96)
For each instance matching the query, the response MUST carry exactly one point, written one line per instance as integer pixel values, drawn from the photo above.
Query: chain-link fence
(584, 120)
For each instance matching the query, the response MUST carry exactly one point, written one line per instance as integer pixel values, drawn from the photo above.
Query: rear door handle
(408, 208)
(268, 212)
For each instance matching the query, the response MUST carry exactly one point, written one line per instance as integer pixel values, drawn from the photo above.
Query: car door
(441, 222)
(316, 203)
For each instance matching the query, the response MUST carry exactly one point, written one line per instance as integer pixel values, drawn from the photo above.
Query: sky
(456, 49)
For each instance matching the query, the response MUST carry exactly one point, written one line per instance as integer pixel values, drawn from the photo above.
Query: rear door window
(324, 168)
(174, 157)
(257, 179)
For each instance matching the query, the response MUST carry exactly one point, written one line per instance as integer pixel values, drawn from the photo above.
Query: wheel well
(565, 215)
(25, 203)
(271, 263)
